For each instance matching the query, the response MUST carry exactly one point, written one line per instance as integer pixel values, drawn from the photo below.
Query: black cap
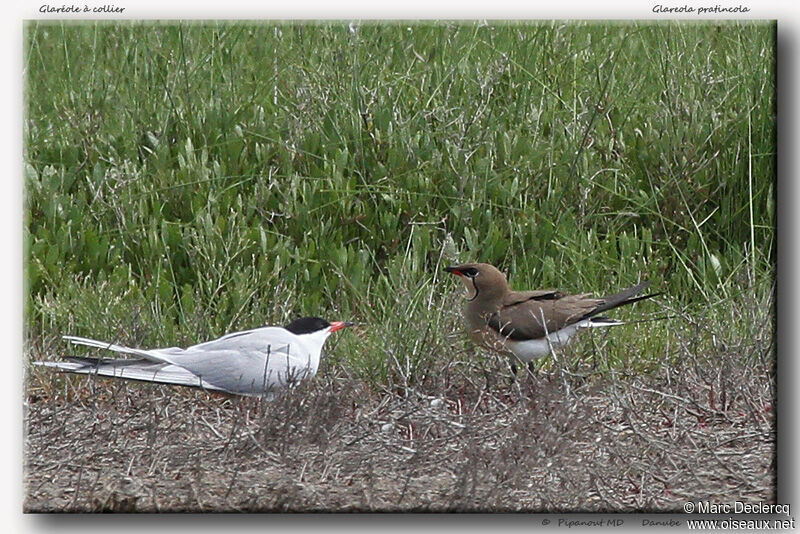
(307, 325)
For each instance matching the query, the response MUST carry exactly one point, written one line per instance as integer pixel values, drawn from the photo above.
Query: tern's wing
(143, 370)
(248, 340)
(154, 355)
(249, 364)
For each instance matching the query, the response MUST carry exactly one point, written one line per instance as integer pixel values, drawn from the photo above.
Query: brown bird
(528, 324)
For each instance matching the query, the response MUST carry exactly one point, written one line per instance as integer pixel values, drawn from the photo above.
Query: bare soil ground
(555, 442)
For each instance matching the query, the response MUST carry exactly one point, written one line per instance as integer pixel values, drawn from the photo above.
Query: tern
(251, 363)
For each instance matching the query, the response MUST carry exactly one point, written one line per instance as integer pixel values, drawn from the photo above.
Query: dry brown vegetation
(464, 441)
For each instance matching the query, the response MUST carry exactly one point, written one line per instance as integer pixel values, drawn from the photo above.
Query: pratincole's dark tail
(623, 298)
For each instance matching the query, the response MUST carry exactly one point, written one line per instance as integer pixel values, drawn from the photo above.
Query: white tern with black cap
(253, 362)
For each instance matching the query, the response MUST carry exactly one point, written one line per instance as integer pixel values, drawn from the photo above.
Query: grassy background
(184, 180)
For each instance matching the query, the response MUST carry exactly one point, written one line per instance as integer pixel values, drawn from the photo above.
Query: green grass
(184, 180)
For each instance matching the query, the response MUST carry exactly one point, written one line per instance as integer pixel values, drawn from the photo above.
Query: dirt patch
(555, 442)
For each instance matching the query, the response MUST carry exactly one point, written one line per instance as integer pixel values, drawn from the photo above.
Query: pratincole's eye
(472, 272)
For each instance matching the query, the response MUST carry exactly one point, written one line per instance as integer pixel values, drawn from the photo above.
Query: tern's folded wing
(247, 371)
(142, 370)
